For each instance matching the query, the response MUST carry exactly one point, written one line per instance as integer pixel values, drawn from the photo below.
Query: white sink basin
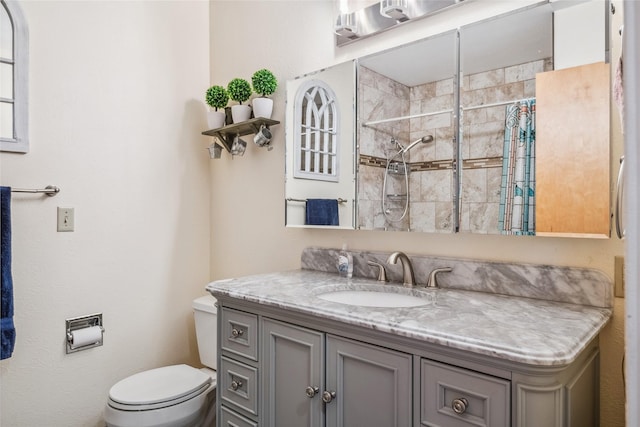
(374, 299)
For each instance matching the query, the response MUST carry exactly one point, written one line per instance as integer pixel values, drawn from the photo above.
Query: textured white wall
(247, 203)
(116, 112)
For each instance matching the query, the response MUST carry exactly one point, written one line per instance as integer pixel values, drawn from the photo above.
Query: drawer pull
(311, 391)
(459, 405)
(237, 332)
(328, 396)
(235, 385)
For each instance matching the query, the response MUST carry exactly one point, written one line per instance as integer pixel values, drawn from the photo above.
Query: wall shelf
(226, 134)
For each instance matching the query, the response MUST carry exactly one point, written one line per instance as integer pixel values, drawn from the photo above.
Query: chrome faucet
(408, 278)
(382, 273)
(433, 281)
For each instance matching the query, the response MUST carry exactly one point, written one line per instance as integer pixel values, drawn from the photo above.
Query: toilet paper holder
(90, 326)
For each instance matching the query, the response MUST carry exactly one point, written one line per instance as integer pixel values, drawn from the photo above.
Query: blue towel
(7, 329)
(322, 212)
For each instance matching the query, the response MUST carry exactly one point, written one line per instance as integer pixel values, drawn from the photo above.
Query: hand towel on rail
(322, 212)
(7, 329)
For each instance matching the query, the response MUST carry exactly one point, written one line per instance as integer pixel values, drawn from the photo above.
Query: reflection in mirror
(474, 130)
(499, 61)
(315, 145)
(573, 121)
(320, 170)
(532, 162)
(406, 135)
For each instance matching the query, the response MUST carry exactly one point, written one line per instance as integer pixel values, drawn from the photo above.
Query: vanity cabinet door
(372, 385)
(293, 381)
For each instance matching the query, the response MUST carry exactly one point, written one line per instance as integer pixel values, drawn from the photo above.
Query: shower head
(424, 140)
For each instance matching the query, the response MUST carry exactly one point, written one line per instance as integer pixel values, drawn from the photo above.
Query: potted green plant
(216, 97)
(239, 91)
(264, 84)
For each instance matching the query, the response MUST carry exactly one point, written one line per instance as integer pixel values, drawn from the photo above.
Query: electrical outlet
(618, 290)
(66, 220)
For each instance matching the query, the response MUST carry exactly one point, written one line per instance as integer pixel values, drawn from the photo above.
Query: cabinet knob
(237, 332)
(459, 405)
(311, 391)
(235, 385)
(328, 396)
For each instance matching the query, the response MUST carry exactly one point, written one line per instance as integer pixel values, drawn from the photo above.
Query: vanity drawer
(231, 419)
(239, 385)
(455, 397)
(240, 333)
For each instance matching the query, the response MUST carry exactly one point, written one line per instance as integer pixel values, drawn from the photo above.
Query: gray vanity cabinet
(283, 368)
(316, 379)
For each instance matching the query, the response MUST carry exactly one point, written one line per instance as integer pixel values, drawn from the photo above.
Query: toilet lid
(159, 385)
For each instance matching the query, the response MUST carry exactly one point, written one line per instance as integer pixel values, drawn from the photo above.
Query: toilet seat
(159, 388)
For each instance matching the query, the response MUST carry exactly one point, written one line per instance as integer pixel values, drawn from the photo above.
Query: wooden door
(572, 151)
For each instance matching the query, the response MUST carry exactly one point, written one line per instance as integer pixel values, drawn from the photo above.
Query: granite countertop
(524, 330)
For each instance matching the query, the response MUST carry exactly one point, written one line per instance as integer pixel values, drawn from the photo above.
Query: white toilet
(172, 396)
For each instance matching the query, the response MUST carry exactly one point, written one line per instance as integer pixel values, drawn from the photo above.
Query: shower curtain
(518, 187)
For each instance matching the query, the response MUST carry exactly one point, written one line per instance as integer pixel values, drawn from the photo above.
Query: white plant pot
(215, 119)
(262, 107)
(240, 113)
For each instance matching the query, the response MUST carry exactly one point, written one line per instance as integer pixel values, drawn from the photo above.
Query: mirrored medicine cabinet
(320, 145)
(497, 127)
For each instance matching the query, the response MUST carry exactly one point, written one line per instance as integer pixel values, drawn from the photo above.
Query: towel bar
(340, 200)
(49, 190)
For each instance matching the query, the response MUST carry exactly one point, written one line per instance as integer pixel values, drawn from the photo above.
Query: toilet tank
(205, 314)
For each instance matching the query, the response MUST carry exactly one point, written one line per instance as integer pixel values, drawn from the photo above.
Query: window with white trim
(316, 132)
(13, 78)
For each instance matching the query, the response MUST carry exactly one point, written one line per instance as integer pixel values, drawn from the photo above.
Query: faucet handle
(382, 273)
(433, 281)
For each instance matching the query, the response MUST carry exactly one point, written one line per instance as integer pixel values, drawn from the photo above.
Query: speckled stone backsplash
(547, 282)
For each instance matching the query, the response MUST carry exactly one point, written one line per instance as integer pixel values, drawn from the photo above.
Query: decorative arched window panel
(316, 129)
(14, 75)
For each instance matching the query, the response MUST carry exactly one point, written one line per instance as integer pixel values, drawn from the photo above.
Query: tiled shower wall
(483, 139)
(382, 98)
(379, 98)
(431, 182)
(431, 185)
